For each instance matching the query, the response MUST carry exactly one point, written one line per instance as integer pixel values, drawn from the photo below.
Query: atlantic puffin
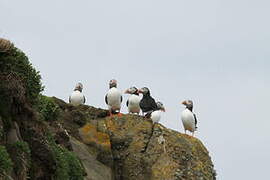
(77, 97)
(188, 117)
(156, 115)
(113, 98)
(133, 102)
(147, 103)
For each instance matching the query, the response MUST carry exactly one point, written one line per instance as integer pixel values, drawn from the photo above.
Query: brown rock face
(132, 147)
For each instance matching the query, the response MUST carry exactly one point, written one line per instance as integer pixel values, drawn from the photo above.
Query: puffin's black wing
(153, 104)
(106, 99)
(127, 103)
(121, 98)
(142, 105)
(69, 100)
(148, 104)
(84, 99)
(195, 119)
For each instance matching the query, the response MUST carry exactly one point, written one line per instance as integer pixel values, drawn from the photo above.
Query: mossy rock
(135, 148)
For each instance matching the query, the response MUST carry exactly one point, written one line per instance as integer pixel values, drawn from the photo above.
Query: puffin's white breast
(114, 99)
(76, 98)
(188, 120)
(134, 104)
(156, 116)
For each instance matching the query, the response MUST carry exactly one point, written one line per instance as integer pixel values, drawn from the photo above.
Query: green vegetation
(68, 165)
(5, 162)
(21, 147)
(76, 169)
(21, 156)
(47, 108)
(15, 61)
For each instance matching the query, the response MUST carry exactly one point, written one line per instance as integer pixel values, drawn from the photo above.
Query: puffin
(147, 103)
(76, 98)
(156, 115)
(113, 98)
(188, 117)
(133, 102)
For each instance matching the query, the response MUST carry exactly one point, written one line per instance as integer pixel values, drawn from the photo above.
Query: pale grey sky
(214, 52)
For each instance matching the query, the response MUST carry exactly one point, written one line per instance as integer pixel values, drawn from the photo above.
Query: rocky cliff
(45, 138)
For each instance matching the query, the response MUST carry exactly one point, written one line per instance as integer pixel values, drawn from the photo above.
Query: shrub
(5, 162)
(76, 170)
(68, 165)
(47, 108)
(13, 60)
(22, 147)
(21, 156)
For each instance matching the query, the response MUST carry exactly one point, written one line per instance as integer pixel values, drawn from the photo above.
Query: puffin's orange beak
(184, 102)
(140, 91)
(126, 91)
(163, 109)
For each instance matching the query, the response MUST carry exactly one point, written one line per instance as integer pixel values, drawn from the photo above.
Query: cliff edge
(45, 138)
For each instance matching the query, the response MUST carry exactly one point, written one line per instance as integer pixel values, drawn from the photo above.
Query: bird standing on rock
(113, 98)
(188, 117)
(77, 98)
(133, 102)
(156, 115)
(147, 104)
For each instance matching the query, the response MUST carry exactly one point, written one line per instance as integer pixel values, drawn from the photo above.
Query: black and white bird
(156, 115)
(188, 117)
(147, 103)
(113, 98)
(133, 102)
(77, 97)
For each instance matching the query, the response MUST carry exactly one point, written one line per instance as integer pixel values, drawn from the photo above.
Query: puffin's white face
(79, 87)
(113, 83)
(132, 90)
(160, 106)
(188, 103)
(144, 90)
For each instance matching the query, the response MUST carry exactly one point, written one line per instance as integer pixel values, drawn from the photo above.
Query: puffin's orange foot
(119, 114)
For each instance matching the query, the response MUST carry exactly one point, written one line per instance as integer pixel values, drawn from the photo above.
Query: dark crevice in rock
(149, 139)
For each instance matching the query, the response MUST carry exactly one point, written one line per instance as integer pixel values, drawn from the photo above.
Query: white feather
(114, 99)
(156, 116)
(76, 98)
(134, 104)
(188, 120)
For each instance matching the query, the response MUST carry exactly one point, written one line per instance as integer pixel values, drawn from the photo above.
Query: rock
(95, 170)
(142, 150)
(98, 140)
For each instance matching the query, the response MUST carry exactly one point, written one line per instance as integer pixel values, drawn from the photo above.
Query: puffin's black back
(148, 103)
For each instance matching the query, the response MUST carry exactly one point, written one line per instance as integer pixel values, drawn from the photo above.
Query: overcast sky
(215, 52)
